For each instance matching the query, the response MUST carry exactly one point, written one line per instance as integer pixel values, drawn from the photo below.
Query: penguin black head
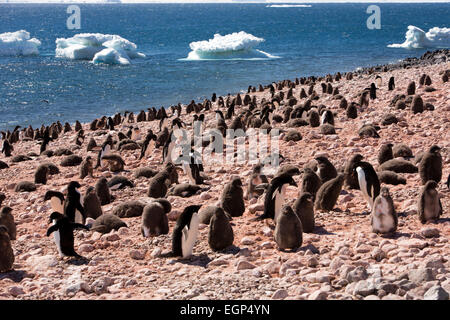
(236, 182)
(357, 158)
(50, 194)
(284, 179)
(307, 196)
(55, 216)
(190, 210)
(435, 148)
(6, 210)
(321, 159)
(73, 185)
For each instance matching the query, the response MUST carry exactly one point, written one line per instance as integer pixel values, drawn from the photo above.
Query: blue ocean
(298, 41)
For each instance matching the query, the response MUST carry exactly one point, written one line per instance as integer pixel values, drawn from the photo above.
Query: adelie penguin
(73, 208)
(232, 199)
(385, 153)
(328, 193)
(275, 196)
(429, 204)
(7, 219)
(6, 251)
(369, 184)
(310, 182)
(288, 231)
(154, 218)
(304, 208)
(256, 179)
(185, 232)
(325, 169)
(7, 148)
(63, 229)
(430, 167)
(91, 204)
(384, 218)
(105, 150)
(220, 235)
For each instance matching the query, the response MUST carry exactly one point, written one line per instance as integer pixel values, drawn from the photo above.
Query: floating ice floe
(417, 38)
(18, 43)
(237, 45)
(97, 47)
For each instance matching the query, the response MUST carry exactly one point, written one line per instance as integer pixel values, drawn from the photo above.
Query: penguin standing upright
(102, 190)
(429, 204)
(310, 182)
(154, 219)
(391, 84)
(369, 184)
(288, 231)
(384, 218)
(104, 151)
(56, 200)
(385, 153)
(256, 179)
(185, 232)
(304, 208)
(91, 204)
(275, 195)
(72, 205)
(64, 239)
(6, 251)
(430, 167)
(220, 235)
(328, 193)
(7, 219)
(232, 198)
(325, 169)
(147, 147)
(7, 148)
(192, 167)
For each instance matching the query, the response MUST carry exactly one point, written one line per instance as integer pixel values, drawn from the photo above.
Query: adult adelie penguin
(72, 205)
(275, 195)
(369, 184)
(185, 232)
(192, 167)
(7, 148)
(384, 218)
(429, 204)
(146, 146)
(105, 150)
(6, 251)
(430, 167)
(232, 199)
(288, 231)
(64, 239)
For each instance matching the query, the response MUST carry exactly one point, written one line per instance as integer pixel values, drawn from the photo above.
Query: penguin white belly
(322, 118)
(382, 221)
(363, 185)
(150, 148)
(169, 152)
(146, 232)
(57, 239)
(187, 170)
(57, 205)
(78, 217)
(105, 152)
(189, 236)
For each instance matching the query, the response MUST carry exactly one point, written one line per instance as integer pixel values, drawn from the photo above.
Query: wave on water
(97, 47)
(417, 38)
(288, 6)
(18, 43)
(234, 46)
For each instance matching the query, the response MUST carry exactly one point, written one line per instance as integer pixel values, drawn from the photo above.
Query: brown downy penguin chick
(184, 190)
(351, 111)
(402, 150)
(383, 217)
(220, 235)
(102, 190)
(390, 177)
(107, 222)
(310, 182)
(351, 180)
(429, 204)
(288, 231)
(205, 214)
(115, 162)
(7, 219)
(86, 168)
(6, 251)
(430, 167)
(325, 169)
(91, 144)
(154, 219)
(232, 199)
(159, 184)
(399, 166)
(385, 153)
(328, 193)
(289, 169)
(304, 208)
(411, 88)
(391, 84)
(91, 204)
(41, 174)
(417, 104)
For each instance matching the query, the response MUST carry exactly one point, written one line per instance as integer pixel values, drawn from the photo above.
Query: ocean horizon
(180, 65)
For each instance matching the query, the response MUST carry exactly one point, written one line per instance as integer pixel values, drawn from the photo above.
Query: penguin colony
(291, 198)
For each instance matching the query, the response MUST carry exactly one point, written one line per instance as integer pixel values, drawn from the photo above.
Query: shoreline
(338, 261)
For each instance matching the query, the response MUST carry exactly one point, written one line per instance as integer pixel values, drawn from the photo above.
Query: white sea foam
(100, 48)
(288, 6)
(417, 38)
(18, 43)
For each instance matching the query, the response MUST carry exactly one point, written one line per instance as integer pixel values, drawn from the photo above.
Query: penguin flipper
(80, 226)
(52, 229)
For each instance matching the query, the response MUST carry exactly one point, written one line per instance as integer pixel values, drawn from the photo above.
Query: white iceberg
(417, 38)
(237, 45)
(97, 47)
(18, 43)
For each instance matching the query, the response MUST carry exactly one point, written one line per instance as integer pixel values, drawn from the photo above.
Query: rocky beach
(342, 259)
